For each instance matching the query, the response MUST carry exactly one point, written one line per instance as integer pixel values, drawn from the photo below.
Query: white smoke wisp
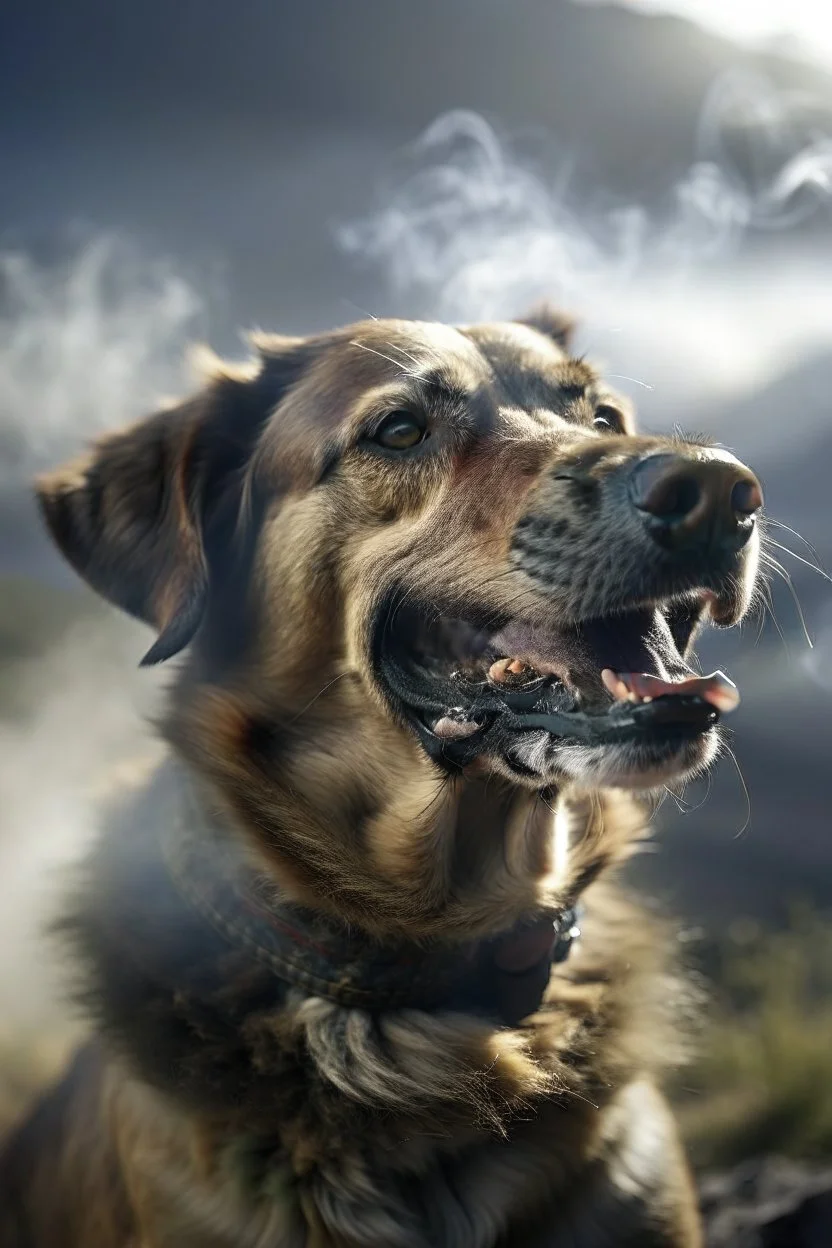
(84, 346)
(86, 729)
(472, 232)
(767, 153)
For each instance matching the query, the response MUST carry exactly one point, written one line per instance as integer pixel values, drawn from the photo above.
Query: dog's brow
(439, 384)
(530, 390)
(569, 391)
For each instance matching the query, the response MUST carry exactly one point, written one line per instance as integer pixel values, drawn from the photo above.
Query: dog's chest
(522, 1193)
(404, 1201)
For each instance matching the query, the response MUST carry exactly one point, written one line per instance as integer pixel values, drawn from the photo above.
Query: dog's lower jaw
(639, 768)
(635, 769)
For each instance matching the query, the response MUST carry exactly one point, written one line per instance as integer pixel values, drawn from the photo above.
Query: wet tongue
(716, 689)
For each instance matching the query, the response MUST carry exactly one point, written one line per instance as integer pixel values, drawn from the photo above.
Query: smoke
(472, 230)
(87, 709)
(767, 154)
(84, 346)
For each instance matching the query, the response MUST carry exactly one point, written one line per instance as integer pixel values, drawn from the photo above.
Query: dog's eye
(401, 430)
(608, 419)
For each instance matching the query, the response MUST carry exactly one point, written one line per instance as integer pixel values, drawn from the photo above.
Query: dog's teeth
(499, 671)
(616, 686)
(454, 727)
(504, 669)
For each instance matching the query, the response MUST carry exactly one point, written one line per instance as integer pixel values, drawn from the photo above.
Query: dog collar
(504, 977)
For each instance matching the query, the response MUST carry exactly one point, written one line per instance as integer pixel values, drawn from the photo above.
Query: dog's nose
(705, 503)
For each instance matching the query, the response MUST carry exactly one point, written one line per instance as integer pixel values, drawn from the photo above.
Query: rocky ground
(768, 1203)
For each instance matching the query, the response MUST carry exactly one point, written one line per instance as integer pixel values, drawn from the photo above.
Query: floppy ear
(131, 515)
(549, 320)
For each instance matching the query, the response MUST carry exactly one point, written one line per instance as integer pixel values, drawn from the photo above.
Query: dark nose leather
(707, 504)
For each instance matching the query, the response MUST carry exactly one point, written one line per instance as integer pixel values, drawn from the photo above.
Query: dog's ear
(131, 515)
(549, 320)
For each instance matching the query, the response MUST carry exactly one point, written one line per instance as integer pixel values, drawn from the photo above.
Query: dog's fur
(219, 1105)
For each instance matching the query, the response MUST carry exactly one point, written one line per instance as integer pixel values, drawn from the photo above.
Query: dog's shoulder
(163, 986)
(59, 1171)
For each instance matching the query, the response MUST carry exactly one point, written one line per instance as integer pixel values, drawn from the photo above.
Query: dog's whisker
(658, 800)
(319, 694)
(769, 519)
(780, 571)
(407, 354)
(403, 371)
(350, 303)
(758, 609)
(726, 747)
(677, 801)
(806, 563)
(767, 604)
(441, 791)
(690, 809)
(645, 385)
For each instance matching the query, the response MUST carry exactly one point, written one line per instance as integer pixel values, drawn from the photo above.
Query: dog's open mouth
(471, 690)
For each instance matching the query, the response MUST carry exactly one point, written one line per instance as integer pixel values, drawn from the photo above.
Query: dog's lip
(460, 715)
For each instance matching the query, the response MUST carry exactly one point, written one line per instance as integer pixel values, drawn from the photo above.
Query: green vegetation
(763, 1082)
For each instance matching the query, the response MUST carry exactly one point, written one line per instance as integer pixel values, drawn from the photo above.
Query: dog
(357, 966)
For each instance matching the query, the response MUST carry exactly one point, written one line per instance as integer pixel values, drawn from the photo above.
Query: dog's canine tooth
(616, 686)
(454, 729)
(504, 669)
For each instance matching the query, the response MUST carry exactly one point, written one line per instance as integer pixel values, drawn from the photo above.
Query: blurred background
(181, 172)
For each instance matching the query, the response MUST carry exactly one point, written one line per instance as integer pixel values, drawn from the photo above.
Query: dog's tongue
(716, 689)
(633, 649)
(634, 652)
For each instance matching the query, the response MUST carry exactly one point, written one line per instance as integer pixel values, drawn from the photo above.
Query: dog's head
(405, 551)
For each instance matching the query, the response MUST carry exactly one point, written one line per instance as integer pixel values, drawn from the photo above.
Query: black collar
(504, 978)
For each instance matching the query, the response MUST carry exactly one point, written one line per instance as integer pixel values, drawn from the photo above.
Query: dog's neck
(369, 832)
(503, 978)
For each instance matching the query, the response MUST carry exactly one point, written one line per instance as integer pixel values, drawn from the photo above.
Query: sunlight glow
(793, 27)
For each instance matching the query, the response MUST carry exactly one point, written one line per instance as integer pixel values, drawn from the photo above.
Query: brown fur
(220, 1106)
